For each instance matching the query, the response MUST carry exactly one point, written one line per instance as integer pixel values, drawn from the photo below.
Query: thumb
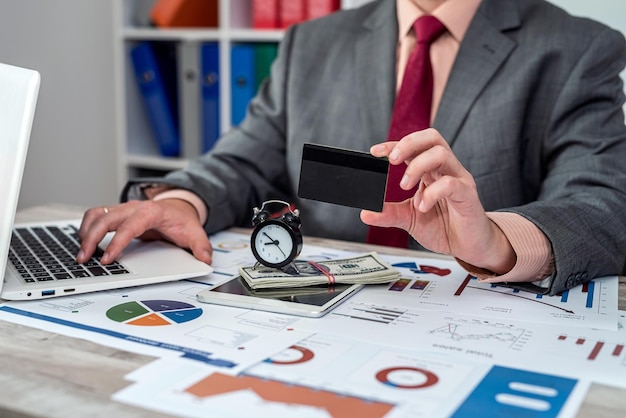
(201, 247)
(394, 214)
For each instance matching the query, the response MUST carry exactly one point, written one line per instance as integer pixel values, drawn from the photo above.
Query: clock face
(274, 244)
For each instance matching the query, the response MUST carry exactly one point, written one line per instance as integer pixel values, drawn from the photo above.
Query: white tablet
(313, 301)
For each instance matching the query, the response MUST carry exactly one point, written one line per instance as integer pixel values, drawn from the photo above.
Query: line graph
(472, 330)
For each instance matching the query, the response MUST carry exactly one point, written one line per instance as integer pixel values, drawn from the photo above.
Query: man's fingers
(201, 247)
(124, 234)
(394, 214)
(92, 231)
(457, 193)
(125, 220)
(172, 220)
(383, 149)
(414, 144)
(432, 163)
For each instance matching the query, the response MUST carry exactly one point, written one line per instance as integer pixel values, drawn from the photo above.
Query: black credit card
(343, 177)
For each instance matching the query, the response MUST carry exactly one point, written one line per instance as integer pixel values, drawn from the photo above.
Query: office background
(72, 155)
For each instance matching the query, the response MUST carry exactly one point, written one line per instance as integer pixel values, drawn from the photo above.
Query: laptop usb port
(47, 292)
(68, 290)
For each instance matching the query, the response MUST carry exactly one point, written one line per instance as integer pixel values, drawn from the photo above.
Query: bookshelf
(138, 152)
(137, 149)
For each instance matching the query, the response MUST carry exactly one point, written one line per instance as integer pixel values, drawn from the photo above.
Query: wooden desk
(46, 374)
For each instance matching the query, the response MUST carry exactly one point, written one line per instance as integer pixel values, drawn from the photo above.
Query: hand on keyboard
(173, 220)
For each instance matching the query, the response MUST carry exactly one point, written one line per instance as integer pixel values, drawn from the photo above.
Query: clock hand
(274, 242)
(278, 246)
(281, 250)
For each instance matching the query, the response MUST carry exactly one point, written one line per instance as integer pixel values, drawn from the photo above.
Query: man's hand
(173, 220)
(445, 215)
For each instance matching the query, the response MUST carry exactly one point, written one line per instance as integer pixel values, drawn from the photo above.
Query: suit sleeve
(582, 198)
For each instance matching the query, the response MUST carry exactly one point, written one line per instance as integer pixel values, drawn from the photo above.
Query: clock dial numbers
(274, 243)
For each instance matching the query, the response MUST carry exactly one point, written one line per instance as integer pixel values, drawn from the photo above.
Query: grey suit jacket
(532, 108)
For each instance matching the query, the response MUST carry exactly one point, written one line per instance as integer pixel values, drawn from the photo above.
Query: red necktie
(411, 113)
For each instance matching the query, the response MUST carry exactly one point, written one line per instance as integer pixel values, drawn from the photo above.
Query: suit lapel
(483, 51)
(376, 77)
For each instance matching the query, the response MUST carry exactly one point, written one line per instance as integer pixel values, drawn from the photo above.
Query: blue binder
(155, 77)
(210, 85)
(242, 80)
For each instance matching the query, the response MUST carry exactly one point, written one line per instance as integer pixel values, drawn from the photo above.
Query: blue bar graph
(589, 288)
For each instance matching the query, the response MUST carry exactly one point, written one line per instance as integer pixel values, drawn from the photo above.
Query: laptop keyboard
(45, 253)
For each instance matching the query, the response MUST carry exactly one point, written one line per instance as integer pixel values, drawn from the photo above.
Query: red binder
(185, 13)
(291, 12)
(265, 14)
(319, 8)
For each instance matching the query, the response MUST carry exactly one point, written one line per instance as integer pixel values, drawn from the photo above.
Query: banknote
(364, 269)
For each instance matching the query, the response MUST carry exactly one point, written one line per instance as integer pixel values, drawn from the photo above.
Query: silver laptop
(38, 260)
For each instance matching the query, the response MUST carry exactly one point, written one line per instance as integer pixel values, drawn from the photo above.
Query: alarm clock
(276, 240)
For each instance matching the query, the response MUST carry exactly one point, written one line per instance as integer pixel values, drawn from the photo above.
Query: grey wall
(609, 12)
(71, 157)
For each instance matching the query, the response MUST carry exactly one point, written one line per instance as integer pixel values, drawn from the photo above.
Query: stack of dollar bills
(362, 269)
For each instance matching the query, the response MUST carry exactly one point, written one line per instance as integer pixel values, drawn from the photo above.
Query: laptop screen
(19, 88)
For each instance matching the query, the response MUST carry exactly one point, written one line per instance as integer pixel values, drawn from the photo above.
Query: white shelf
(156, 163)
(149, 34)
(250, 35)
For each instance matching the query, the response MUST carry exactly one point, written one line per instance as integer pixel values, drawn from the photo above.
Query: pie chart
(292, 355)
(153, 312)
(407, 377)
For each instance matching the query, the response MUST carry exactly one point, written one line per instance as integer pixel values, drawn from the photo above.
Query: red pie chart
(293, 355)
(407, 377)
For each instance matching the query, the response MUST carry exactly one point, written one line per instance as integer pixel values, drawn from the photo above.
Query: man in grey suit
(529, 127)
